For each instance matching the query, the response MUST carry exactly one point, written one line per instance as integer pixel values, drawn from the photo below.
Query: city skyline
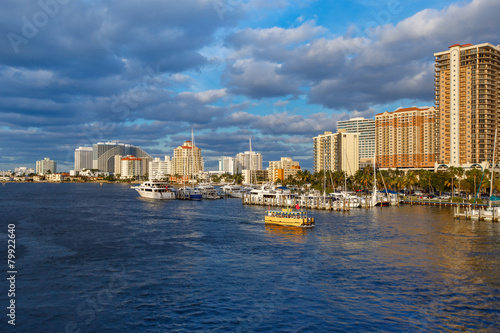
(73, 74)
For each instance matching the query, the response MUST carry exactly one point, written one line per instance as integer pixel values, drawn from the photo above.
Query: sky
(74, 73)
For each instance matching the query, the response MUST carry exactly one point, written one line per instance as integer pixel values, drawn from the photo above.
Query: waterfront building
(336, 151)
(131, 167)
(467, 99)
(83, 158)
(159, 169)
(23, 171)
(248, 160)
(46, 165)
(282, 169)
(406, 138)
(254, 176)
(55, 177)
(104, 153)
(228, 165)
(187, 160)
(92, 173)
(366, 130)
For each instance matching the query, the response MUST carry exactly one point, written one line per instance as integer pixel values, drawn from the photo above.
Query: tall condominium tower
(243, 161)
(336, 151)
(83, 158)
(46, 165)
(187, 160)
(467, 99)
(227, 164)
(366, 130)
(406, 138)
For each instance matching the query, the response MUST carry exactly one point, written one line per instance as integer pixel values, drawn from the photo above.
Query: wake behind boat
(155, 190)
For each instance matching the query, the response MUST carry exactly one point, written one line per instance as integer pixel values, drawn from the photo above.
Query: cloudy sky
(73, 73)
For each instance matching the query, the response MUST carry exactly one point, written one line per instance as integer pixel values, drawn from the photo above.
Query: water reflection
(293, 234)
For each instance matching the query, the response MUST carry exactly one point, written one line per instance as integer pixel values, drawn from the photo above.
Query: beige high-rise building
(282, 169)
(336, 151)
(187, 160)
(366, 130)
(467, 100)
(406, 138)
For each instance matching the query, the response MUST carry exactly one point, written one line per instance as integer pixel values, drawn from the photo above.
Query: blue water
(96, 258)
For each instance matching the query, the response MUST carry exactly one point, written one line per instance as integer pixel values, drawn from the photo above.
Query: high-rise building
(104, 152)
(83, 158)
(406, 138)
(159, 169)
(467, 99)
(248, 161)
(366, 130)
(187, 160)
(336, 151)
(282, 169)
(227, 164)
(46, 165)
(131, 167)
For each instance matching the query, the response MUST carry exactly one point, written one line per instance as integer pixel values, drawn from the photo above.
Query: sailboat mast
(493, 167)
(192, 155)
(324, 176)
(250, 161)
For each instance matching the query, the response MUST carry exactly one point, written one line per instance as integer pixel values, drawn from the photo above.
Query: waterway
(93, 258)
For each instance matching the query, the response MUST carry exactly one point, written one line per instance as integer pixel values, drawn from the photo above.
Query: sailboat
(490, 213)
(190, 193)
(376, 200)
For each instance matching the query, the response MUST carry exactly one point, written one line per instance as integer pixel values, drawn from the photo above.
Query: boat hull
(307, 222)
(156, 195)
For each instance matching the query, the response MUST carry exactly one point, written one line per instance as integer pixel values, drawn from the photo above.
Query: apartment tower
(187, 160)
(467, 100)
(336, 151)
(366, 130)
(406, 138)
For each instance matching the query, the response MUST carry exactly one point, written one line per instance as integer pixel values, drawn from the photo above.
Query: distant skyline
(281, 72)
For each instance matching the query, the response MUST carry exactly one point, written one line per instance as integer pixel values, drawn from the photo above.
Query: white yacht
(208, 191)
(155, 190)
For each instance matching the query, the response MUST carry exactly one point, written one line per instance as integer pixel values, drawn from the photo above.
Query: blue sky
(73, 73)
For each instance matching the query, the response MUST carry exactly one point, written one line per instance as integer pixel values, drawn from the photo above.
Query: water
(96, 258)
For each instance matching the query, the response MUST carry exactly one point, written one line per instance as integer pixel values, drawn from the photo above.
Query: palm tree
(238, 178)
(411, 179)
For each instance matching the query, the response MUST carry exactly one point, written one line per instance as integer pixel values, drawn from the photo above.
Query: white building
(83, 158)
(159, 169)
(228, 164)
(55, 177)
(23, 171)
(46, 165)
(131, 167)
(366, 130)
(90, 173)
(243, 161)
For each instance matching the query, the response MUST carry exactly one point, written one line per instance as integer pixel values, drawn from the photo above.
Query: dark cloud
(146, 72)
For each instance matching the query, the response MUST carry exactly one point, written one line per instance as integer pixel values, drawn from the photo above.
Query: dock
(319, 203)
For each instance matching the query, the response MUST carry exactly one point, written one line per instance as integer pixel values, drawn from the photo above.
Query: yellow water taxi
(288, 218)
